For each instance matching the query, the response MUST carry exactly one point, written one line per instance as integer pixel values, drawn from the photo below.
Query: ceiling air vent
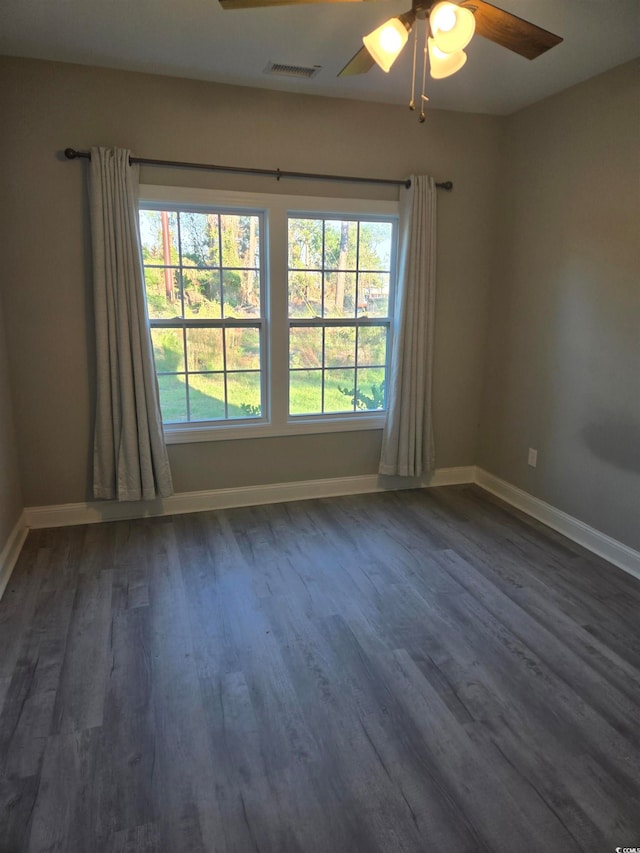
(306, 72)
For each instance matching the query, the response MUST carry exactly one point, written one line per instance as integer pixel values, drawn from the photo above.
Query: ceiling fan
(449, 26)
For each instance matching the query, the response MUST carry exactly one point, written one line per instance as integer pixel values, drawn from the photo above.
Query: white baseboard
(599, 543)
(452, 476)
(96, 511)
(11, 551)
(63, 515)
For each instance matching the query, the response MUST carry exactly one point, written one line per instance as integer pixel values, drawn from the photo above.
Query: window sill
(182, 434)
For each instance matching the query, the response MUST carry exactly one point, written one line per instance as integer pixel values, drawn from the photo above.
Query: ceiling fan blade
(358, 64)
(510, 31)
(258, 4)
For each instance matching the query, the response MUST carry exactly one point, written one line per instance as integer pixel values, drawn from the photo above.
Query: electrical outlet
(533, 457)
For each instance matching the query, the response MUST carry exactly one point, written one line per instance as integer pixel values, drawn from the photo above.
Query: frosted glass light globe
(385, 43)
(444, 18)
(452, 27)
(390, 39)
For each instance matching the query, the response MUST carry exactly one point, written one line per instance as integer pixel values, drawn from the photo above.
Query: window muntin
(339, 313)
(205, 302)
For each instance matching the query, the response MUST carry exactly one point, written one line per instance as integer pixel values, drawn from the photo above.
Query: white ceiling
(198, 39)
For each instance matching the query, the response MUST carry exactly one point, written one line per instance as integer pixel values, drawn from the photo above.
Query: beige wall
(47, 107)
(563, 357)
(10, 492)
(544, 213)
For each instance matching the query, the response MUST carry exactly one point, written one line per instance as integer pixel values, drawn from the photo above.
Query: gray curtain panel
(407, 444)
(130, 461)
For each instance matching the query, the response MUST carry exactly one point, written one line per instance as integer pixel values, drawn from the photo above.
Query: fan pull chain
(423, 97)
(412, 103)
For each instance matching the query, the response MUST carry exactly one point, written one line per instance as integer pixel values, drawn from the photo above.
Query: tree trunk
(342, 262)
(213, 224)
(248, 296)
(166, 256)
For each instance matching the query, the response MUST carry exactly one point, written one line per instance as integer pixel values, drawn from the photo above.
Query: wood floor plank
(65, 814)
(499, 695)
(19, 601)
(127, 743)
(420, 671)
(4, 687)
(542, 600)
(335, 688)
(17, 802)
(503, 806)
(139, 839)
(131, 564)
(262, 699)
(184, 783)
(564, 582)
(80, 697)
(26, 718)
(552, 657)
(547, 548)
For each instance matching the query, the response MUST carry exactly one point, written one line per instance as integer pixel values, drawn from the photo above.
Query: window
(204, 299)
(339, 275)
(268, 314)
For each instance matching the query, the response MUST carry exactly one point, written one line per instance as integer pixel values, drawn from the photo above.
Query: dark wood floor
(414, 671)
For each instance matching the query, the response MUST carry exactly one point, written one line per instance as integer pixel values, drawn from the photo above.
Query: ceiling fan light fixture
(444, 64)
(452, 27)
(385, 43)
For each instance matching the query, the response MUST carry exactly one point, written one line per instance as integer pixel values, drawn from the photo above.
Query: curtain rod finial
(70, 153)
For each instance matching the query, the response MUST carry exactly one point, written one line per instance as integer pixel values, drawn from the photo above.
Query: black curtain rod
(72, 154)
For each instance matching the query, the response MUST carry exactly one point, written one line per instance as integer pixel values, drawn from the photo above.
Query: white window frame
(275, 420)
(184, 323)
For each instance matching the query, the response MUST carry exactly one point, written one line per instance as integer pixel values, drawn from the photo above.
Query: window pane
(168, 350)
(340, 244)
(241, 293)
(340, 294)
(305, 294)
(204, 349)
(199, 239)
(240, 240)
(305, 347)
(372, 345)
(305, 244)
(243, 395)
(163, 288)
(339, 390)
(305, 392)
(201, 294)
(206, 396)
(173, 398)
(243, 349)
(159, 237)
(339, 346)
(371, 389)
(374, 293)
(375, 246)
